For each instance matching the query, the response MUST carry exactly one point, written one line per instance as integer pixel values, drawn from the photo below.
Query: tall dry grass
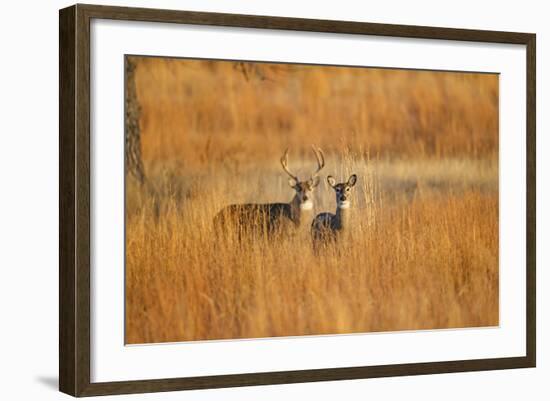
(420, 257)
(423, 253)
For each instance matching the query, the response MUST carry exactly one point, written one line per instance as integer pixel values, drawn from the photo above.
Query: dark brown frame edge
(74, 199)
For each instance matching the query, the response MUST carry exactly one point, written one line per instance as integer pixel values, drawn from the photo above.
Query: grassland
(424, 247)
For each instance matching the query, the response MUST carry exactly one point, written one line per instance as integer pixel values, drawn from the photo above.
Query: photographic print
(277, 199)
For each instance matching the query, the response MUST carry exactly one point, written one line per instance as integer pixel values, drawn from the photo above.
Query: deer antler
(284, 163)
(320, 160)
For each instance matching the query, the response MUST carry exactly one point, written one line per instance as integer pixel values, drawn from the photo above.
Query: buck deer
(328, 226)
(272, 218)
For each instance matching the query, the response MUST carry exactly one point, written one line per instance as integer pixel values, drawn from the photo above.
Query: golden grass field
(423, 252)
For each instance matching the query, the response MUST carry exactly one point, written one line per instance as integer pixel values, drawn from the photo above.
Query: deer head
(343, 190)
(304, 189)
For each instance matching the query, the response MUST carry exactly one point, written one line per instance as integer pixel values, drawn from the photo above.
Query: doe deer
(272, 218)
(328, 227)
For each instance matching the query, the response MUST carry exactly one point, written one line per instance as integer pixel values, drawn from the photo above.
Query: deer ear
(314, 182)
(352, 180)
(292, 182)
(331, 181)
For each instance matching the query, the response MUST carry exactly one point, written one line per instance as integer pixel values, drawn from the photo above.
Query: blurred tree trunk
(134, 163)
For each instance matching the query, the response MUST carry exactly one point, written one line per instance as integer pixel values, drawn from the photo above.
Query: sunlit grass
(418, 259)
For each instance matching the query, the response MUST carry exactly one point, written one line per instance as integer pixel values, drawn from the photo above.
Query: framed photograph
(250, 200)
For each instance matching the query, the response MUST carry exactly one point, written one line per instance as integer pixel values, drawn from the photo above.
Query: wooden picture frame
(74, 200)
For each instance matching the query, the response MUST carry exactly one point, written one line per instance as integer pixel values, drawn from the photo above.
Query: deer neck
(301, 214)
(342, 217)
